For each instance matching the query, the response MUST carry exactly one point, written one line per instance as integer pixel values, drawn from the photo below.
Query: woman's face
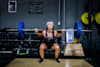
(50, 26)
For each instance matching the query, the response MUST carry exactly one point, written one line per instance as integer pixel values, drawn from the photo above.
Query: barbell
(21, 30)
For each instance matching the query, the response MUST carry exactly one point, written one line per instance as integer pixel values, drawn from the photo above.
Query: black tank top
(48, 39)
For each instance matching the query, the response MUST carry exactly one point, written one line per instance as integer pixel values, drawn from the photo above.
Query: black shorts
(49, 43)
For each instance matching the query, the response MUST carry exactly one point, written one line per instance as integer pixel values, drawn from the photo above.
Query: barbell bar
(31, 30)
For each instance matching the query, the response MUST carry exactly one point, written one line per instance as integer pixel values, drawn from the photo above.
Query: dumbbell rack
(10, 42)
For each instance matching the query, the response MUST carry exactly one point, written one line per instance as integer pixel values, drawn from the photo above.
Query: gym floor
(25, 62)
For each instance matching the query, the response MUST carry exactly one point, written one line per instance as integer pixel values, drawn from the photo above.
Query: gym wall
(74, 9)
(30, 20)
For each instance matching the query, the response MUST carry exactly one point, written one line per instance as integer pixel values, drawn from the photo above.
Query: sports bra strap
(47, 35)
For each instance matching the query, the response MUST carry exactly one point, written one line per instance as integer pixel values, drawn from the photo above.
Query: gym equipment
(77, 33)
(75, 40)
(84, 18)
(73, 50)
(97, 18)
(21, 29)
(23, 51)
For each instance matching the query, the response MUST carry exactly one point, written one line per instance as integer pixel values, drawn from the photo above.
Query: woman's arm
(43, 33)
(37, 32)
(59, 34)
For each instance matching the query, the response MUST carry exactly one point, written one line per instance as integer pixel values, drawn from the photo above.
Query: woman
(49, 40)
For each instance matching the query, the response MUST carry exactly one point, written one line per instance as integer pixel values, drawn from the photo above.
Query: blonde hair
(50, 22)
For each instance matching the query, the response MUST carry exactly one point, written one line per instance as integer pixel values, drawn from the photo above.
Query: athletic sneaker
(57, 60)
(41, 60)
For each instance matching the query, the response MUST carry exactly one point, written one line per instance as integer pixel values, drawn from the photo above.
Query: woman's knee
(42, 47)
(57, 47)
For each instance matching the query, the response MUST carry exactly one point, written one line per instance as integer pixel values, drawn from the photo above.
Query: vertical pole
(59, 12)
(90, 12)
(64, 10)
(64, 17)
(89, 16)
